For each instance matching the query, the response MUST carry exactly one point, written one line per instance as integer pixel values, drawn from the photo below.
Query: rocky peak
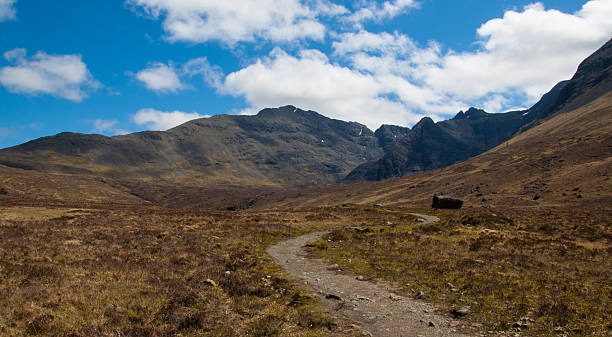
(471, 113)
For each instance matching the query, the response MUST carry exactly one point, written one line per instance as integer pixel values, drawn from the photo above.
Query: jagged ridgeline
(432, 145)
(284, 146)
(291, 147)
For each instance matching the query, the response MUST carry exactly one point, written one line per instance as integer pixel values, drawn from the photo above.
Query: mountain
(592, 80)
(389, 135)
(284, 146)
(431, 145)
(564, 160)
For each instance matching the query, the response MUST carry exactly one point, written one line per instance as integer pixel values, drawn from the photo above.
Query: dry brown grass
(143, 271)
(553, 266)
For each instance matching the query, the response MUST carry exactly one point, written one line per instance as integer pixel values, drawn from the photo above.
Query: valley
(185, 232)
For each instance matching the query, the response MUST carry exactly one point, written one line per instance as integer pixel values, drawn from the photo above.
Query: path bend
(373, 305)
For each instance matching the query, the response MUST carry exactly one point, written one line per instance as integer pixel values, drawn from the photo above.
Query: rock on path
(371, 304)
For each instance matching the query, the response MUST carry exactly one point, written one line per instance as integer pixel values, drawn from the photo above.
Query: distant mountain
(291, 147)
(389, 135)
(430, 145)
(284, 146)
(564, 159)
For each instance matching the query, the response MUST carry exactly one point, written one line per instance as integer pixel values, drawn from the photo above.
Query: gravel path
(373, 305)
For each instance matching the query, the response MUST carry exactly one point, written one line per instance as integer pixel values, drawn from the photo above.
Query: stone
(463, 311)
(394, 298)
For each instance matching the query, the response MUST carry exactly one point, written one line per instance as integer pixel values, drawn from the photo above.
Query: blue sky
(118, 66)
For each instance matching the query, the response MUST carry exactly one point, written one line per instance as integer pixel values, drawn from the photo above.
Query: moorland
(96, 245)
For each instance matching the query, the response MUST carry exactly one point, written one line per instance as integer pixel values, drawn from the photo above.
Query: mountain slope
(285, 146)
(592, 80)
(564, 161)
(433, 145)
(430, 145)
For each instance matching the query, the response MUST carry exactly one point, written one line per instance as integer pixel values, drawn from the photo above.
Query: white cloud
(525, 52)
(161, 120)
(171, 78)
(373, 11)
(385, 77)
(364, 41)
(102, 125)
(310, 81)
(65, 76)
(239, 20)
(7, 11)
(390, 79)
(212, 75)
(160, 77)
(519, 58)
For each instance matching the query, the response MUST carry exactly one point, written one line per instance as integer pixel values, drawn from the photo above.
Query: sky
(119, 66)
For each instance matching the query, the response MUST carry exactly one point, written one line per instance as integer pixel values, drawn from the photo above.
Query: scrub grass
(550, 269)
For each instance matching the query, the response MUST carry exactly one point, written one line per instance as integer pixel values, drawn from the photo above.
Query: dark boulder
(444, 201)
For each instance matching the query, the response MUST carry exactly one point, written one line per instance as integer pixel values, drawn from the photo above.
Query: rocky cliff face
(432, 145)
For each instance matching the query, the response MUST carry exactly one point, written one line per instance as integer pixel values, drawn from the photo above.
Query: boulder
(444, 201)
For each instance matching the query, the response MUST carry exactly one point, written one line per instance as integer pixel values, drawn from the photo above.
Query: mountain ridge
(466, 135)
(282, 146)
(290, 147)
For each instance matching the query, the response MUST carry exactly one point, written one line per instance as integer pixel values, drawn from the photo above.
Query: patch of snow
(294, 110)
(526, 113)
(322, 141)
(361, 131)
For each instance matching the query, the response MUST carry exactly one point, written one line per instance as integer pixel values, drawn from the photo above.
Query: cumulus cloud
(7, 11)
(64, 76)
(524, 52)
(374, 11)
(364, 41)
(310, 81)
(160, 77)
(212, 75)
(385, 77)
(239, 20)
(165, 78)
(160, 120)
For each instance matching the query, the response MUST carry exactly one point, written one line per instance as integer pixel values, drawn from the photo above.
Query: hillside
(565, 160)
(284, 146)
(430, 145)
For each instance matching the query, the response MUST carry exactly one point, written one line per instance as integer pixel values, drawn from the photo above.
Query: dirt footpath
(373, 305)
